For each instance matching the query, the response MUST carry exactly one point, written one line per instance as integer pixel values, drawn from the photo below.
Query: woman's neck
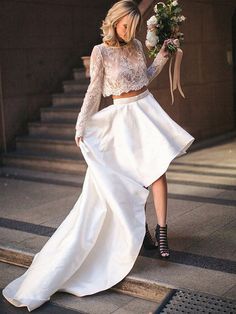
(122, 42)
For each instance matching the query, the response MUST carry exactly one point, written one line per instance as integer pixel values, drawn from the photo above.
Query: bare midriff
(130, 93)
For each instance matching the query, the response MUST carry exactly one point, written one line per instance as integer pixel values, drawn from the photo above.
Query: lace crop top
(113, 71)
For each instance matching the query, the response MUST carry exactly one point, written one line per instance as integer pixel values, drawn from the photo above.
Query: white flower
(175, 3)
(155, 8)
(152, 38)
(152, 21)
(148, 45)
(182, 18)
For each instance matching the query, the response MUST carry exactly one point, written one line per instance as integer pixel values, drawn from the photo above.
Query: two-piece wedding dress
(127, 146)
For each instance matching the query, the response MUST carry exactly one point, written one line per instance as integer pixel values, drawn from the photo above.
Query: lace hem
(126, 90)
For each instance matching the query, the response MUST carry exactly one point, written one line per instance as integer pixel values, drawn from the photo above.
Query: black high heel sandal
(162, 241)
(148, 242)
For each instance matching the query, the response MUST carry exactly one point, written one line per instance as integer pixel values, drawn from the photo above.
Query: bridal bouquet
(164, 24)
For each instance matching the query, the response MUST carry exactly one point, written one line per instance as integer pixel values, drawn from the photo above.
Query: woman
(128, 147)
(112, 75)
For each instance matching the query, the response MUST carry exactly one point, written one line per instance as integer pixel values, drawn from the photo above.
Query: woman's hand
(165, 51)
(78, 139)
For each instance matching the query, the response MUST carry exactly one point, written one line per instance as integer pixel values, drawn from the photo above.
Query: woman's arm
(94, 92)
(158, 63)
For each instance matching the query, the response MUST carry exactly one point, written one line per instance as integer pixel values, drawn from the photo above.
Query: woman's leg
(159, 191)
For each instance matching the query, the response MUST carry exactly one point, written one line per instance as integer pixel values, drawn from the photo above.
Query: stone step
(198, 178)
(68, 99)
(44, 162)
(108, 302)
(79, 74)
(33, 144)
(150, 278)
(134, 286)
(204, 169)
(42, 176)
(52, 129)
(74, 86)
(63, 114)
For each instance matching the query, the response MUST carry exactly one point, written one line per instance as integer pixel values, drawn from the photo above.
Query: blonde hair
(116, 12)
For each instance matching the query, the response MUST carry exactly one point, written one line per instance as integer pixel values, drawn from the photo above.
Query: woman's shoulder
(97, 46)
(138, 41)
(97, 49)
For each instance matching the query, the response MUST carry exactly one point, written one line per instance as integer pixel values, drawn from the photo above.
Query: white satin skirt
(127, 146)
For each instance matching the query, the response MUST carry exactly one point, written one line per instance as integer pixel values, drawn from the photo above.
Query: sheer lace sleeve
(157, 65)
(93, 94)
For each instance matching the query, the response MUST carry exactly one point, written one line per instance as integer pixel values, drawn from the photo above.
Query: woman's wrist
(78, 133)
(164, 54)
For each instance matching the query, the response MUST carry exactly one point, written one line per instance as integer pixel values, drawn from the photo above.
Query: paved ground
(201, 224)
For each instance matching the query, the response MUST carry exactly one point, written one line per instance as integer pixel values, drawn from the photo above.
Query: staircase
(48, 152)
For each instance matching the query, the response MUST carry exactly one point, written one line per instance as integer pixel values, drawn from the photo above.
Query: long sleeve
(157, 65)
(94, 92)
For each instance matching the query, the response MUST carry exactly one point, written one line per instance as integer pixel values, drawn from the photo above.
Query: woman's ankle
(162, 224)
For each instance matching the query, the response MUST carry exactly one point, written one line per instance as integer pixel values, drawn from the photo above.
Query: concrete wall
(42, 40)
